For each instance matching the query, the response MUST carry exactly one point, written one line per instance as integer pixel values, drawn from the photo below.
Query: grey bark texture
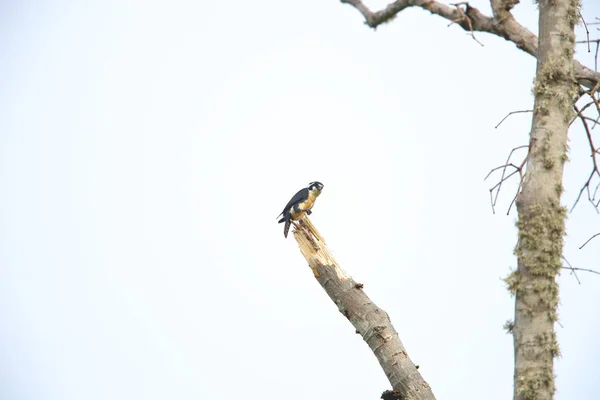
(541, 221)
(370, 321)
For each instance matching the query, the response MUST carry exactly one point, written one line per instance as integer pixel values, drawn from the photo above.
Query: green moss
(527, 311)
(541, 231)
(546, 150)
(541, 108)
(530, 383)
(548, 342)
(573, 12)
(569, 52)
(564, 157)
(548, 296)
(509, 326)
(558, 188)
(549, 81)
(513, 280)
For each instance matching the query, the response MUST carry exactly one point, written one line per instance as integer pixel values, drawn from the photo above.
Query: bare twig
(596, 56)
(584, 269)
(597, 42)
(572, 269)
(517, 169)
(589, 240)
(585, 107)
(587, 32)
(511, 113)
(463, 17)
(580, 113)
(595, 121)
(592, 94)
(595, 168)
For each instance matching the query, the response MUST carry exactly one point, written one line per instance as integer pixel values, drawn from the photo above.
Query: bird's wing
(298, 197)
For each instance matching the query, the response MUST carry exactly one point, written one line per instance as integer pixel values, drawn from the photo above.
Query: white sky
(147, 147)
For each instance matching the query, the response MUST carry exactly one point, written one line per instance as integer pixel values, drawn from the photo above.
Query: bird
(300, 205)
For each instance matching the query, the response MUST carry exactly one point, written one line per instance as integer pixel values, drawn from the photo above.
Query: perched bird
(300, 205)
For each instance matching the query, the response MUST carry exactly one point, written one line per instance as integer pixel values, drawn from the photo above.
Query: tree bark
(469, 18)
(371, 322)
(541, 217)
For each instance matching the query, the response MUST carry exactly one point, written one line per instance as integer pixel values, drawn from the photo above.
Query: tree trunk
(541, 216)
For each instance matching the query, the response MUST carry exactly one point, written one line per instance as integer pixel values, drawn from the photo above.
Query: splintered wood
(313, 248)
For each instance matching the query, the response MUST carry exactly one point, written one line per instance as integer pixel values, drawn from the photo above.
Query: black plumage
(298, 198)
(300, 205)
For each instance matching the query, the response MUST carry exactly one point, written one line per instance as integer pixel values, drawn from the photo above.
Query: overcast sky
(147, 147)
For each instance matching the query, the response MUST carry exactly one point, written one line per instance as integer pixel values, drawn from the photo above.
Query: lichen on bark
(541, 223)
(543, 230)
(531, 382)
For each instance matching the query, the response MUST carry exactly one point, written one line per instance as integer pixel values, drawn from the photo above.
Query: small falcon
(300, 205)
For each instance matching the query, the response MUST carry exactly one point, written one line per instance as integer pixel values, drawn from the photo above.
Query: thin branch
(502, 24)
(464, 17)
(595, 121)
(595, 169)
(572, 269)
(517, 169)
(511, 113)
(580, 113)
(370, 321)
(597, 42)
(592, 93)
(587, 32)
(597, 46)
(585, 270)
(589, 240)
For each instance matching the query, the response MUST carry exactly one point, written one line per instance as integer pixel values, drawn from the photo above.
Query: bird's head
(315, 186)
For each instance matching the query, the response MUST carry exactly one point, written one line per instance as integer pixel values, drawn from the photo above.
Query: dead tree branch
(589, 240)
(502, 24)
(571, 268)
(370, 321)
(463, 18)
(588, 41)
(587, 32)
(517, 169)
(592, 196)
(511, 113)
(580, 115)
(584, 270)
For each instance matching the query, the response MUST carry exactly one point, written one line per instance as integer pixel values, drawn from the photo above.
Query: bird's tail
(286, 228)
(284, 215)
